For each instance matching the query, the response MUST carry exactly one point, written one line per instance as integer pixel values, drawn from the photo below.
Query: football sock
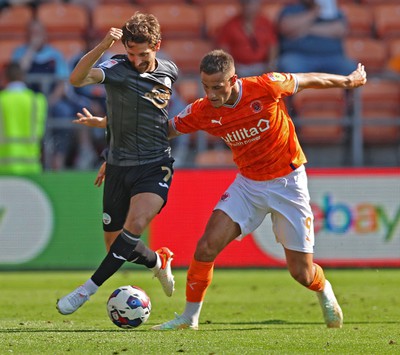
(157, 266)
(90, 287)
(199, 277)
(125, 247)
(318, 283)
(192, 311)
(140, 254)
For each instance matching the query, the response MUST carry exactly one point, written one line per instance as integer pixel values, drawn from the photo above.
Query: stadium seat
(378, 2)
(216, 14)
(14, 21)
(187, 53)
(369, 51)
(69, 47)
(386, 19)
(148, 2)
(215, 158)
(359, 18)
(7, 48)
(63, 20)
(380, 111)
(178, 20)
(320, 116)
(108, 15)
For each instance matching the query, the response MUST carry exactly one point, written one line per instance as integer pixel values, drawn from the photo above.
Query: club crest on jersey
(256, 106)
(159, 95)
(109, 63)
(225, 196)
(276, 76)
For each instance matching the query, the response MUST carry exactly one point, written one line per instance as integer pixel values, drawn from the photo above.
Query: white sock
(157, 267)
(192, 311)
(90, 287)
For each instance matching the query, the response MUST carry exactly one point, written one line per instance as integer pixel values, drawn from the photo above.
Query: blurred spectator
(48, 72)
(23, 116)
(251, 39)
(90, 142)
(311, 38)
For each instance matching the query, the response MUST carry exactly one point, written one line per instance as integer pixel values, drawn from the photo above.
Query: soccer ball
(128, 307)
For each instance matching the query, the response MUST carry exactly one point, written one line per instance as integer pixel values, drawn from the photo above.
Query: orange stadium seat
(387, 20)
(378, 2)
(105, 16)
(178, 20)
(205, 2)
(320, 116)
(187, 53)
(69, 47)
(359, 18)
(369, 51)
(7, 48)
(148, 2)
(63, 19)
(380, 103)
(216, 14)
(14, 21)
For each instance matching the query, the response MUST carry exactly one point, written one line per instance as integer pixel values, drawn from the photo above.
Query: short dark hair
(217, 61)
(141, 28)
(13, 72)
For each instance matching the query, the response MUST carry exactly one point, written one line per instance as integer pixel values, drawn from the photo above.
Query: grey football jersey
(137, 116)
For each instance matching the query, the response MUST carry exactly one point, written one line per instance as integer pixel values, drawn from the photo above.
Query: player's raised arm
(84, 74)
(323, 80)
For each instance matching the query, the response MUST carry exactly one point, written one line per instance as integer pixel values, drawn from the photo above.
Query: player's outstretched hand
(88, 120)
(101, 174)
(358, 77)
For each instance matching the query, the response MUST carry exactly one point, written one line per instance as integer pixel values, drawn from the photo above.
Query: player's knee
(206, 250)
(136, 226)
(302, 276)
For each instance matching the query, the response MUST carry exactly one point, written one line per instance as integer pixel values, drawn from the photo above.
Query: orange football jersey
(257, 128)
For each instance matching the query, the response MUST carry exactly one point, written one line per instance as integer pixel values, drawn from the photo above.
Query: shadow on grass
(206, 323)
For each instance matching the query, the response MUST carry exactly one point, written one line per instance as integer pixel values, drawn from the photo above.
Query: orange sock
(318, 283)
(199, 277)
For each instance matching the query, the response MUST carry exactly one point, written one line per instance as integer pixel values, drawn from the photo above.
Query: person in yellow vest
(23, 116)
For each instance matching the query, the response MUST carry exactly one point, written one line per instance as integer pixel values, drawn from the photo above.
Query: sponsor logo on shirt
(186, 111)
(276, 76)
(246, 135)
(109, 63)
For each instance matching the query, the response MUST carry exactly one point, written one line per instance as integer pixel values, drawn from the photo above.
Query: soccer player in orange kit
(250, 116)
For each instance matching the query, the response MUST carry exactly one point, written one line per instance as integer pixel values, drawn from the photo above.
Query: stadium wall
(53, 221)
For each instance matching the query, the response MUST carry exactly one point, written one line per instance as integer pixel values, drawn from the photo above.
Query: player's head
(141, 37)
(217, 72)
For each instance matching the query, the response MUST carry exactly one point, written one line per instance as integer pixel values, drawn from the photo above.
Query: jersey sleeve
(280, 84)
(187, 121)
(111, 70)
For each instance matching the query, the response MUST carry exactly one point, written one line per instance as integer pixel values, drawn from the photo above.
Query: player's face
(219, 88)
(142, 56)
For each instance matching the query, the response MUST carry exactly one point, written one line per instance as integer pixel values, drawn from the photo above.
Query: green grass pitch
(245, 312)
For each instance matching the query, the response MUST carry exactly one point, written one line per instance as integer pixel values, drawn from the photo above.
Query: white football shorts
(247, 202)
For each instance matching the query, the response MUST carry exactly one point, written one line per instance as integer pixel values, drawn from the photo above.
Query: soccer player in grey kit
(139, 163)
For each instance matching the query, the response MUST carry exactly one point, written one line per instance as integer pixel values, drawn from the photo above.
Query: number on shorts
(169, 173)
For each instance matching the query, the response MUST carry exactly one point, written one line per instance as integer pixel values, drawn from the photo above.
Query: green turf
(245, 312)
